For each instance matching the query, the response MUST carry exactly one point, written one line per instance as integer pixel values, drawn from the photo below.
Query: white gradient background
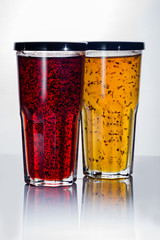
(103, 20)
(71, 20)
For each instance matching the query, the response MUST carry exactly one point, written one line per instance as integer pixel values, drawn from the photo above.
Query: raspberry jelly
(50, 96)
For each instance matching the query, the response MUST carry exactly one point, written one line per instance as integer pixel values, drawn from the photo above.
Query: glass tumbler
(109, 107)
(50, 80)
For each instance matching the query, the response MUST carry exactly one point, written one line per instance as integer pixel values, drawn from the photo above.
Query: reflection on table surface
(107, 208)
(106, 211)
(53, 213)
(49, 210)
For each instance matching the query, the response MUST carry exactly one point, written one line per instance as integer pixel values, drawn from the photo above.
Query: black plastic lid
(111, 46)
(50, 46)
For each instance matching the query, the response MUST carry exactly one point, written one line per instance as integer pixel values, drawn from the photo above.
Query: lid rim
(50, 46)
(115, 45)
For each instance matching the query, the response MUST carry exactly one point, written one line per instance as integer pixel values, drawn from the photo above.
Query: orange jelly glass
(110, 103)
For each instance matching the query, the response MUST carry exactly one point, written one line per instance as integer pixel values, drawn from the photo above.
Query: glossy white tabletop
(89, 209)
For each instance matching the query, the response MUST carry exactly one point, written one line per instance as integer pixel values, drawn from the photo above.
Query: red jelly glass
(50, 103)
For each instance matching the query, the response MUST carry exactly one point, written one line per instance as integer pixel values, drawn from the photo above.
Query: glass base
(106, 175)
(38, 182)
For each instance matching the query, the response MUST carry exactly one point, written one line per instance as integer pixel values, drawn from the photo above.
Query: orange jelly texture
(110, 97)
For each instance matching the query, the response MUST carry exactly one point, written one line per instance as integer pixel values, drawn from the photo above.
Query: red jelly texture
(50, 90)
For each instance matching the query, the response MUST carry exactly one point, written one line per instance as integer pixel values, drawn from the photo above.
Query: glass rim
(105, 53)
(50, 54)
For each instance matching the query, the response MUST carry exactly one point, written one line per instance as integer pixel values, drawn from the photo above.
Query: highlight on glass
(50, 77)
(109, 107)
